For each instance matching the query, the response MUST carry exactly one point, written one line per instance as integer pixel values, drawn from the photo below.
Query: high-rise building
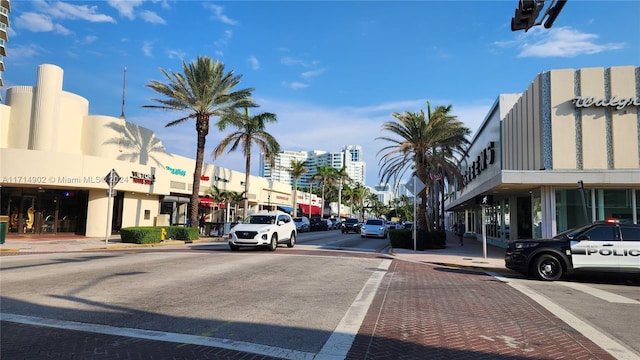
(5, 9)
(350, 158)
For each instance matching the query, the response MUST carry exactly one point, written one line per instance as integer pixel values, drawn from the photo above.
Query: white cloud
(24, 51)
(176, 54)
(151, 17)
(295, 85)
(34, 22)
(255, 64)
(147, 48)
(219, 15)
(312, 73)
(125, 8)
(564, 42)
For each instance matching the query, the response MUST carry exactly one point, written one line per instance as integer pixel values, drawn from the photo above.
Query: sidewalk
(469, 255)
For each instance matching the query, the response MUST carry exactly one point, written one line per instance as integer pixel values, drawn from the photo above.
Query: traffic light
(526, 14)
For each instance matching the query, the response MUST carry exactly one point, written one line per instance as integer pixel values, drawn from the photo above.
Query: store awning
(208, 202)
(287, 209)
(315, 210)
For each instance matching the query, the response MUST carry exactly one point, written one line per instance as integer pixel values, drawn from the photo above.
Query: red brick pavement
(428, 312)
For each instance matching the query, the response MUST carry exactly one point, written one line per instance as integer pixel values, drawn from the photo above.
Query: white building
(529, 156)
(55, 156)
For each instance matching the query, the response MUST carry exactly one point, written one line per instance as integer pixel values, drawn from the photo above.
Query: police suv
(599, 246)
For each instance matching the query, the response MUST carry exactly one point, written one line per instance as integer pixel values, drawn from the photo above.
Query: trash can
(3, 228)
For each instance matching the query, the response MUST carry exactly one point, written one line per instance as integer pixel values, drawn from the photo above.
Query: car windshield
(260, 219)
(374, 222)
(571, 233)
(351, 221)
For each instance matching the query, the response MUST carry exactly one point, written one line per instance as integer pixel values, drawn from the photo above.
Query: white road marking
(601, 294)
(336, 347)
(602, 340)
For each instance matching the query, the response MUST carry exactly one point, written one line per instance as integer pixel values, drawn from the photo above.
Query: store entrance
(44, 211)
(524, 218)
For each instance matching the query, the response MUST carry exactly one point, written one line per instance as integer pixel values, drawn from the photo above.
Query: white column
(46, 102)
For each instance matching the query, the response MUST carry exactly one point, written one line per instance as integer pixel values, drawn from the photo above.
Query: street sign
(415, 185)
(112, 177)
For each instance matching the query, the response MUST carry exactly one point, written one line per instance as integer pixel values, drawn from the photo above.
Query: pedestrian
(201, 222)
(460, 232)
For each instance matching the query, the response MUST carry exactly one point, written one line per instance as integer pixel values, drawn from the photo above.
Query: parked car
(350, 225)
(329, 224)
(600, 246)
(393, 225)
(302, 224)
(374, 227)
(318, 224)
(337, 223)
(264, 230)
(407, 225)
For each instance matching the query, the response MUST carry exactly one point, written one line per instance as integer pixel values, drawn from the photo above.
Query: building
(5, 9)
(564, 152)
(350, 158)
(55, 158)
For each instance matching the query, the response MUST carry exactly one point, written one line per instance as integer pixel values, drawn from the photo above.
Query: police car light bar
(613, 220)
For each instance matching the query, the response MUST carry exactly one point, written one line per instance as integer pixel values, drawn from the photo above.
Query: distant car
(337, 223)
(264, 230)
(350, 225)
(302, 224)
(329, 224)
(407, 225)
(374, 227)
(393, 225)
(318, 224)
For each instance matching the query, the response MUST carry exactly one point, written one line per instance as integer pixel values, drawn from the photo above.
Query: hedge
(425, 239)
(152, 234)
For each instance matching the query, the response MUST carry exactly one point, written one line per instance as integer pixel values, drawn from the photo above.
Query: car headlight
(525, 245)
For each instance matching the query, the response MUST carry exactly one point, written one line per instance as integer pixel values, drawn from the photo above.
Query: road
(294, 303)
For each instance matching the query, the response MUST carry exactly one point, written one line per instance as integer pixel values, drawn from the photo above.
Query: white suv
(264, 230)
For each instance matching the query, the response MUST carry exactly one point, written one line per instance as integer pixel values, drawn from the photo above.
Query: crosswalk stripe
(600, 294)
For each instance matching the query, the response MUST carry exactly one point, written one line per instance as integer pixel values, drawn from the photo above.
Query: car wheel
(547, 267)
(234, 247)
(274, 243)
(292, 240)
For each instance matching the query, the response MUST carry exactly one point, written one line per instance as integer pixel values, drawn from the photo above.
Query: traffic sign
(112, 178)
(415, 185)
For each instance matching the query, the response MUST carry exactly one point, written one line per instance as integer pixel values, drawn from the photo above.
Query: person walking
(460, 232)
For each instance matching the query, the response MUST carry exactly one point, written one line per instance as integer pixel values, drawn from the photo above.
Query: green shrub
(153, 234)
(401, 238)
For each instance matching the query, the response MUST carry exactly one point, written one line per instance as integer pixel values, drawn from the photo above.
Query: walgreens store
(564, 152)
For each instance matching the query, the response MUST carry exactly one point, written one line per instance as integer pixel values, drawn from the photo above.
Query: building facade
(564, 152)
(5, 9)
(55, 158)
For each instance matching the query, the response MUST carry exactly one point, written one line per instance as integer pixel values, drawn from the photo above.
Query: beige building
(54, 157)
(536, 151)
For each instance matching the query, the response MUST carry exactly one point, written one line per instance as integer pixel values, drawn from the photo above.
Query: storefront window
(614, 203)
(569, 209)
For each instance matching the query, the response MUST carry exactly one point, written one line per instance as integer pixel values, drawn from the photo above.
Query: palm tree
(249, 130)
(420, 143)
(298, 169)
(341, 176)
(203, 91)
(236, 198)
(324, 175)
(219, 196)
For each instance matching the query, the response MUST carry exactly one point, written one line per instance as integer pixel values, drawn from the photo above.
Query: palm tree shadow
(136, 144)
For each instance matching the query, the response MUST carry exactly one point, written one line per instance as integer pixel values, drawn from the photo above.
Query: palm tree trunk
(195, 193)
(247, 167)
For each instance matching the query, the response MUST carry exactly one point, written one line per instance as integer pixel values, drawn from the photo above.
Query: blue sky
(332, 71)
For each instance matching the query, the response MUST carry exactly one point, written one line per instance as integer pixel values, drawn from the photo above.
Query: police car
(600, 246)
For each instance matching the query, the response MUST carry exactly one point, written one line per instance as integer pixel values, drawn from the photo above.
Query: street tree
(201, 92)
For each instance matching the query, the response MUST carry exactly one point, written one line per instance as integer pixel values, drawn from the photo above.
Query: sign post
(111, 179)
(484, 200)
(415, 186)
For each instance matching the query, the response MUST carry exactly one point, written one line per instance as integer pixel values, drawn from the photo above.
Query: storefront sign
(176, 171)
(614, 101)
(140, 178)
(483, 160)
(204, 178)
(217, 178)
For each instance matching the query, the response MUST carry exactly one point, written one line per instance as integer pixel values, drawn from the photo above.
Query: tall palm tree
(249, 130)
(219, 196)
(324, 175)
(418, 145)
(341, 176)
(298, 168)
(203, 91)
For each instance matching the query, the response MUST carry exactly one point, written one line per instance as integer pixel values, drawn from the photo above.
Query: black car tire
(292, 240)
(547, 267)
(273, 245)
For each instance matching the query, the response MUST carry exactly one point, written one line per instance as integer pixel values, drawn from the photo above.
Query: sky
(333, 72)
